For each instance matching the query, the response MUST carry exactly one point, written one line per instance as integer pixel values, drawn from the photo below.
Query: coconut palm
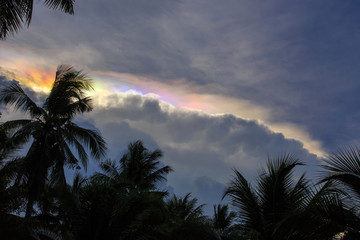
(15, 13)
(185, 219)
(284, 208)
(106, 210)
(7, 145)
(344, 168)
(122, 200)
(222, 223)
(138, 169)
(141, 167)
(52, 131)
(185, 208)
(324, 214)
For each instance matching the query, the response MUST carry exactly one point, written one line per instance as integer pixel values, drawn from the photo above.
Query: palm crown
(51, 128)
(141, 166)
(281, 208)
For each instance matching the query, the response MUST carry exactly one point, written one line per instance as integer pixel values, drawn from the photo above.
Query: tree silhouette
(15, 13)
(141, 167)
(52, 131)
(222, 223)
(282, 208)
(344, 169)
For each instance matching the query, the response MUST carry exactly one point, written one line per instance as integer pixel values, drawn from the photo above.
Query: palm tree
(11, 226)
(222, 223)
(185, 219)
(122, 200)
(7, 145)
(344, 168)
(324, 215)
(102, 209)
(15, 13)
(185, 208)
(273, 209)
(52, 131)
(140, 167)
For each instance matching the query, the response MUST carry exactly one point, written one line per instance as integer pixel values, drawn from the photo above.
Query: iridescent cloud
(39, 75)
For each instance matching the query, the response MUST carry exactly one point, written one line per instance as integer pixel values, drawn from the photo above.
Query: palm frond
(245, 199)
(222, 217)
(12, 15)
(14, 124)
(67, 155)
(78, 181)
(12, 168)
(15, 13)
(158, 175)
(80, 106)
(67, 96)
(28, 129)
(92, 139)
(65, 5)
(299, 192)
(344, 168)
(8, 143)
(141, 166)
(325, 209)
(345, 160)
(110, 169)
(15, 96)
(186, 207)
(277, 181)
(73, 141)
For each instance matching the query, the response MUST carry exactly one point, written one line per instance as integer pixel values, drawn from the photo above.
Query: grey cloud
(201, 148)
(298, 59)
(209, 192)
(119, 135)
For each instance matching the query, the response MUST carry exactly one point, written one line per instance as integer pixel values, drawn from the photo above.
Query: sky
(215, 85)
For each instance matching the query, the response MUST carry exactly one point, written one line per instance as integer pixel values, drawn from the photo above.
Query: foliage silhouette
(281, 208)
(15, 13)
(141, 167)
(114, 203)
(123, 200)
(344, 169)
(52, 131)
(223, 223)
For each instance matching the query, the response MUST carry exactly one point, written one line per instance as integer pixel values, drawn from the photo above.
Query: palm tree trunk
(29, 207)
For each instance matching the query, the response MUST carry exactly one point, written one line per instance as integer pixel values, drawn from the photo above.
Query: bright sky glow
(180, 94)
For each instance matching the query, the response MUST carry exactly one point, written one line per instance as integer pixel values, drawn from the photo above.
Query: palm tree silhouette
(52, 130)
(15, 13)
(344, 169)
(222, 223)
(282, 207)
(141, 167)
